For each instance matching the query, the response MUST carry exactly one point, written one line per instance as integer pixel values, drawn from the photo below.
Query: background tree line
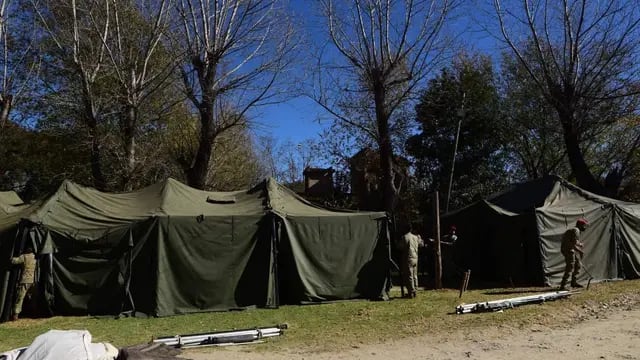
(118, 94)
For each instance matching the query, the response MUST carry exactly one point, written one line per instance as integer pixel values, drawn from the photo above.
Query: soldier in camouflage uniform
(28, 262)
(572, 250)
(409, 244)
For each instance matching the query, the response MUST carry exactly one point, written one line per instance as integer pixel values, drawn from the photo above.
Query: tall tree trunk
(91, 120)
(99, 181)
(128, 130)
(198, 172)
(613, 181)
(580, 169)
(5, 108)
(385, 151)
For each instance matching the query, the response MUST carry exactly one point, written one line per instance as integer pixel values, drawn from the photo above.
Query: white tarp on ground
(65, 344)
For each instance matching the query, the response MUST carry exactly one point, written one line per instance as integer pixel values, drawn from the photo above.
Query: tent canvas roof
(548, 191)
(80, 208)
(12, 209)
(10, 198)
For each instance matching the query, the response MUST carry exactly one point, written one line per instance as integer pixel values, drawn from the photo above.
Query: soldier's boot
(563, 285)
(576, 285)
(14, 317)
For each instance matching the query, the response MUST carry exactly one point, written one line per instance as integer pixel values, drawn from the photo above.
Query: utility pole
(455, 151)
(436, 248)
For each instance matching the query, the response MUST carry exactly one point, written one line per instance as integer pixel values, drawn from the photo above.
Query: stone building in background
(318, 182)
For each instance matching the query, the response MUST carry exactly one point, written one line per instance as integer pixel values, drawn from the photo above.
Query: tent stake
(465, 282)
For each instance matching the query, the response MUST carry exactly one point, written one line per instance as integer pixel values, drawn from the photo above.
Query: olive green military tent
(171, 249)
(514, 237)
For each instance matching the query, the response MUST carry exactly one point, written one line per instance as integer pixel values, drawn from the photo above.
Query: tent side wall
(627, 237)
(205, 264)
(328, 258)
(599, 245)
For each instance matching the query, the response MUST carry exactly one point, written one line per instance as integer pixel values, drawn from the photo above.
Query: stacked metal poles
(222, 337)
(497, 305)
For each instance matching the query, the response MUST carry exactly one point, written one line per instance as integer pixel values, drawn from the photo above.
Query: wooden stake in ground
(465, 282)
(436, 244)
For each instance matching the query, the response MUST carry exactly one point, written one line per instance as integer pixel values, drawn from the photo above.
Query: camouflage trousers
(24, 290)
(410, 275)
(571, 267)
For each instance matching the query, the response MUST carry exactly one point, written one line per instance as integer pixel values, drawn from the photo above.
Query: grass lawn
(336, 326)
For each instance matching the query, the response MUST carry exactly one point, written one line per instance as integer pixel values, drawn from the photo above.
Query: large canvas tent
(171, 249)
(514, 237)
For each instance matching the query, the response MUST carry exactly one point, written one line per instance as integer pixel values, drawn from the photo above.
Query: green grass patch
(337, 326)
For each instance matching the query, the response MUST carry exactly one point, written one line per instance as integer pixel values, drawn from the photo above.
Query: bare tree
(532, 135)
(234, 52)
(268, 155)
(385, 50)
(69, 25)
(234, 167)
(286, 161)
(583, 57)
(132, 44)
(18, 60)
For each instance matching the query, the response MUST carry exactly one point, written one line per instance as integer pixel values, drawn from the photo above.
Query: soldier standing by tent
(409, 244)
(28, 263)
(572, 250)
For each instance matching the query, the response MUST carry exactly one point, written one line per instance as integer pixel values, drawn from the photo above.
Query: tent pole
(275, 258)
(394, 236)
(436, 248)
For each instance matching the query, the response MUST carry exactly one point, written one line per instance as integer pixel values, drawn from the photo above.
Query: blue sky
(294, 120)
(297, 119)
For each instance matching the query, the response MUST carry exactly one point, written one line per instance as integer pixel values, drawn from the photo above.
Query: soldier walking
(28, 263)
(572, 249)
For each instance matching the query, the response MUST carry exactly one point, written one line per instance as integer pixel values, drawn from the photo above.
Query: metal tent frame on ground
(222, 337)
(497, 305)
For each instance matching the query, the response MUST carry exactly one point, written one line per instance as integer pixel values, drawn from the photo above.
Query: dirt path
(616, 336)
